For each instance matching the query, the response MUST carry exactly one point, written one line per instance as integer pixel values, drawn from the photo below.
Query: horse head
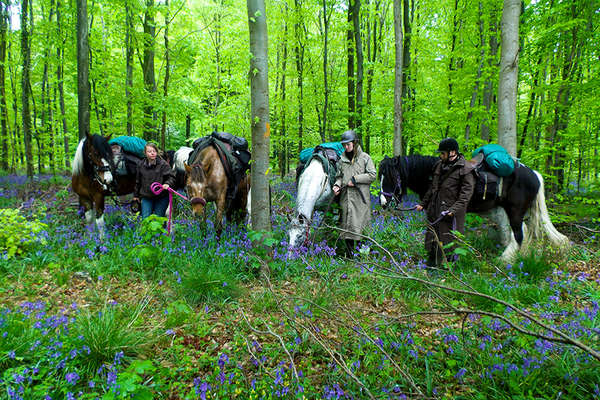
(98, 157)
(391, 182)
(196, 184)
(298, 233)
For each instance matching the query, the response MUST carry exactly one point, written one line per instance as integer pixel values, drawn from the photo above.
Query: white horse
(314, 192)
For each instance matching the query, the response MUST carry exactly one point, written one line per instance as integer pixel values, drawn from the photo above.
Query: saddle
(329, 158)
(233, 153)
(125, 162)
(488, 185)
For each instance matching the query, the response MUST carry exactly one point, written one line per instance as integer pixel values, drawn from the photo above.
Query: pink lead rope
(157, 188)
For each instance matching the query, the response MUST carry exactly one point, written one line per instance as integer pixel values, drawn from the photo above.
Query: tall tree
(25, 113)
(398, 143)
(148, 70)
(60, 59)
(259, 89)
(83, 69)
(350, 66)
(163, 129)
(359, 63)
(299, 52)
(507, 81)
(326, 20)
(3, 108)
(488, 90)
(129, 66)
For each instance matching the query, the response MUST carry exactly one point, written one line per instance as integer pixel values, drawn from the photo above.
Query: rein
(157, 188)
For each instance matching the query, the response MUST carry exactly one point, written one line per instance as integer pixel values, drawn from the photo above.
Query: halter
(197, 200)
(392, 194)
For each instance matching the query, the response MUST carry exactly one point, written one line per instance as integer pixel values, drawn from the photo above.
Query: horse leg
(220, 203)
(88, 210)
(99, 208)
(502, 230)
(516, 224)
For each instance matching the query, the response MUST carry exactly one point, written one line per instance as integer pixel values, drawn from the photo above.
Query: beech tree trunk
(259, 89)
(350, 66)
(488, 91)
(299, 50)
(83, 65)
(129, 67)
(398, 144)
(150, 133)
(507, 81)
(25, 112)
(163, 129)
(60, 60)
(3, 108)
(359, 64)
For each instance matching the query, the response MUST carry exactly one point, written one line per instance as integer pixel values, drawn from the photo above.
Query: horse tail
(77, 164)
(539, 219)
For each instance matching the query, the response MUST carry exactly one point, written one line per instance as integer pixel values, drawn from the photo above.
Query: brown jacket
(451, 191)
(356, 213)
(147, 174)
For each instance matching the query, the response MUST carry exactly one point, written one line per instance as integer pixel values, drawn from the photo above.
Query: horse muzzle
(198, 200)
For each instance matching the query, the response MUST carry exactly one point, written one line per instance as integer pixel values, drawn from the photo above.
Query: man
(356, 172)
(446, 200)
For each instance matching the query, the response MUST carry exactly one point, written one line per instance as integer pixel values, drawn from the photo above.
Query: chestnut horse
(206, 181)
(93, 178)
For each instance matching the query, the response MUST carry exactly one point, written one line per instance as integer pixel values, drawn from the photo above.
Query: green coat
(356, 214)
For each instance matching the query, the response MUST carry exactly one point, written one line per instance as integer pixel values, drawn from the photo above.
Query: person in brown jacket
(153, 169)
(446, 200)
(355, 174)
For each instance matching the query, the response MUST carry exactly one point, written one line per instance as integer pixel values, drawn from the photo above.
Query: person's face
(447, 155)
(349, 147)
(151, 153)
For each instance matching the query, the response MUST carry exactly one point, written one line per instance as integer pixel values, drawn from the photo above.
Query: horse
(522, 192)
(206, 181)
(93, 178)
(314, 192)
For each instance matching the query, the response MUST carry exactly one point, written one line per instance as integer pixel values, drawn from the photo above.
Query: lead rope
(157, 188)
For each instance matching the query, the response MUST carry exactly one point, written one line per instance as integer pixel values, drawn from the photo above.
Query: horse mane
(181, 158)
(414, 171)
(78, 161)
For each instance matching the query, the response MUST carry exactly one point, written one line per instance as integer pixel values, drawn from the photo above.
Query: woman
(356, 172)
(153, 169)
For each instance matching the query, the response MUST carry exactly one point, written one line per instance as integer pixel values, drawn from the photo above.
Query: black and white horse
(314, 192)
(522, 193)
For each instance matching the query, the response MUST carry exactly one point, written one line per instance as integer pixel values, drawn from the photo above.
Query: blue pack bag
(130, 144)
(305, 154)
(497, 158)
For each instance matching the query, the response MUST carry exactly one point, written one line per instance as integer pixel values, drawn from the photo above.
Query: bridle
(393, 194)
(97, 169)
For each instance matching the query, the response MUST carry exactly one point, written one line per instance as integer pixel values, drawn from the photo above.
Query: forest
(134, 311)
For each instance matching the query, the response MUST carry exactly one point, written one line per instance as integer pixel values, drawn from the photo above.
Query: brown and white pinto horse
(206, 181)
(93, 178)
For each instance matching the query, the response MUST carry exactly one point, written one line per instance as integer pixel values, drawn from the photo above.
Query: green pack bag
(130, 144)
(497, 158)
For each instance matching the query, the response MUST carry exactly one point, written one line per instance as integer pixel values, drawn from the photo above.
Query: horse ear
(87, 135)
(108, 137)
(188, 169)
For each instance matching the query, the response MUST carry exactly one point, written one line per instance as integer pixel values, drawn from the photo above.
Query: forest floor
(142, 315)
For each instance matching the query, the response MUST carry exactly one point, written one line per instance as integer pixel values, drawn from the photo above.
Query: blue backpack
(497, 159)
(305, 154)
(130, 144)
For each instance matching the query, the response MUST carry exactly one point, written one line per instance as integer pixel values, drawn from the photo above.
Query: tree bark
(259, 89)
(299, 50)
(508, 78)
(283, 141)
(3, 108)
(129, 67)
(150, 133)
(451, 66)
(163, 129)
(532, 100)
(83, 68)
(325, 64)
(406, 50)
(359, 65)
(350, 66)
(25, 112)
(60, 59)
(398, 144)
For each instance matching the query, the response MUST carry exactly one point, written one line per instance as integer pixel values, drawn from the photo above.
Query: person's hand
(165, 186)
(419, 207)
(135, 199)
(336, 189)
(350, 183)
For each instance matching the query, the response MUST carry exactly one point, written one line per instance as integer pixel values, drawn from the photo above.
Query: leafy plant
(18, 233)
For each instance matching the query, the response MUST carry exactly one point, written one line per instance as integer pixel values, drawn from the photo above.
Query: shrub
(18, 234)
